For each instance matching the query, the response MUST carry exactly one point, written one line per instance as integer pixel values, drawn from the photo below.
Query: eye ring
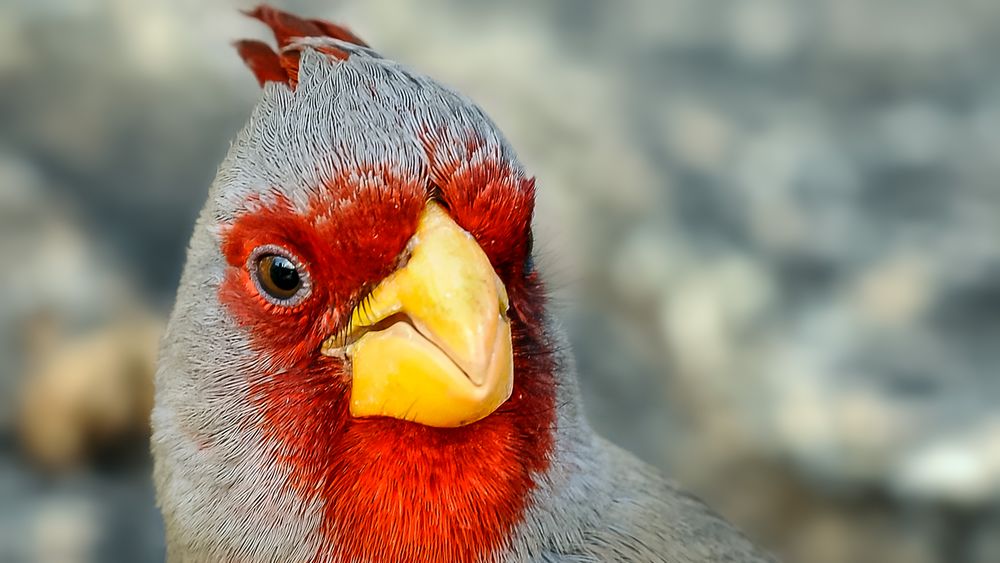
(279, 276)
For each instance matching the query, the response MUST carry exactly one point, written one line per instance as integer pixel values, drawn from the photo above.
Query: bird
(361, 364)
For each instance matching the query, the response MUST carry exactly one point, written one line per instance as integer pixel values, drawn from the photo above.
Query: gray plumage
(220, 490)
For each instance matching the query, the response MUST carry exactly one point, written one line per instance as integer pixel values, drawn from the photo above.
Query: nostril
(404, 257)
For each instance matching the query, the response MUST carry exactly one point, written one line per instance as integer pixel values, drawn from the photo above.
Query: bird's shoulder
(645, 517)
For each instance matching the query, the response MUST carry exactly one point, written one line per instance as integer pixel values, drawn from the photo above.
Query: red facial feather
(283, 66)
(262, 60)
(393, 491)
(344, 246)
(479, 198)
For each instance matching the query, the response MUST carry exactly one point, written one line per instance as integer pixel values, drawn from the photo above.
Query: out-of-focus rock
(896, 293)
(765, 31)
(90, 393)
(79, 349)
(960, 469)
(65, 530)
(698, 136)
(49, 266)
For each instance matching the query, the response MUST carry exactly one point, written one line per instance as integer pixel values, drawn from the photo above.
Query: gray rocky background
(771, 226)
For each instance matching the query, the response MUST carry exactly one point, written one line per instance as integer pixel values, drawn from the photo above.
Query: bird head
(359, 365)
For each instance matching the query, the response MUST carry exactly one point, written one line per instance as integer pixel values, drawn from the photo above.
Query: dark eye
(279, 279)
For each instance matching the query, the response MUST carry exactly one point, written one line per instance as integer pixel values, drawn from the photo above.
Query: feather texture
(257, 458)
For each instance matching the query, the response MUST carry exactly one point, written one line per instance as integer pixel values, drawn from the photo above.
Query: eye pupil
(283, 274)
(278, 276)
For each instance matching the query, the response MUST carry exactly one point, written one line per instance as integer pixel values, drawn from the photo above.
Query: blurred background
(771, 226)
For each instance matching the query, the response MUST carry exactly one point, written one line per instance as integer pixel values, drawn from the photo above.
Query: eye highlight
(279, 276)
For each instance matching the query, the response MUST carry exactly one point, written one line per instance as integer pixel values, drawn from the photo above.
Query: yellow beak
(432, 342)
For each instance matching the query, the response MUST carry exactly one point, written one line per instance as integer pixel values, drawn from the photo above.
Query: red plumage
(390, 486)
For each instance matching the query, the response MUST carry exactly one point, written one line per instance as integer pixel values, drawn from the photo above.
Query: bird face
(428, 342)
(358, 356)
